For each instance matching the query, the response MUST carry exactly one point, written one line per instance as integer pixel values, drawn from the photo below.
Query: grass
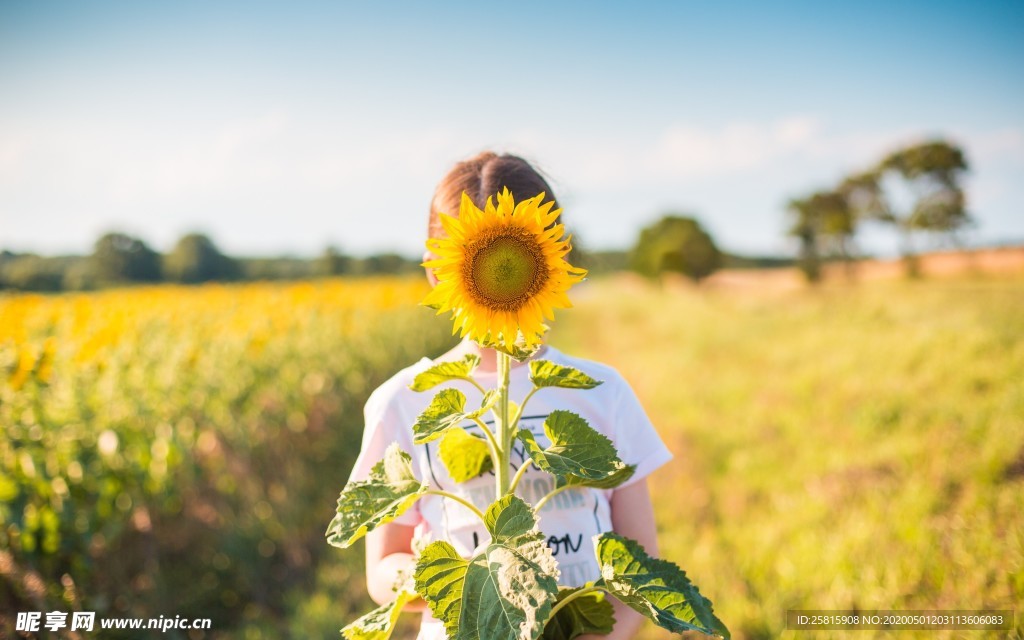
(859, 447)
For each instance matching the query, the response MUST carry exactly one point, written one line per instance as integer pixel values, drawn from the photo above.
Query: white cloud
(683, 151)
(170, 165)
(12, 150)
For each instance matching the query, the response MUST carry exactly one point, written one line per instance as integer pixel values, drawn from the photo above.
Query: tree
(823, 221)
(32, 273)
(118, 257)
(332, 262)
(196, 259)
(864, 197)
(804, 227)
(932, 172)
(385, 264)
(676, 244)
(79, 275)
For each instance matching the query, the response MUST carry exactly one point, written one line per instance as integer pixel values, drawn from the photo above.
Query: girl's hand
(389, 561)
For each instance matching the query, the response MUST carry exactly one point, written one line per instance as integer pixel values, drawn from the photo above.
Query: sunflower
(502, 271)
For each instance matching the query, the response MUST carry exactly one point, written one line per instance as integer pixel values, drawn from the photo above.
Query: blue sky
(285, 127)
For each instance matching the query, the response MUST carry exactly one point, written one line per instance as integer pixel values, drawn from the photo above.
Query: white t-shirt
(571, 518)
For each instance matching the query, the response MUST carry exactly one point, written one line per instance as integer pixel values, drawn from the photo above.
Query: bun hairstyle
(481, 177)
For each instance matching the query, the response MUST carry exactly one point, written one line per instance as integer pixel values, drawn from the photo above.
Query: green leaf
(364, 505)
(578, 454)
(519, 351)
(489, 400)
(503, 593)
(656, 588)
(445, 371)
(441, 579)
(447, 410)
(379, 623)
(612, 481)
(589, 613)
(464, 455)
(509, 517)
(544, 373)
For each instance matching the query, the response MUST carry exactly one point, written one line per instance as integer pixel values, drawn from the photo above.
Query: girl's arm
(389, 559)
(633, 517)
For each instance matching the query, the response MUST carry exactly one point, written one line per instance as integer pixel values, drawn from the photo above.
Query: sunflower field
(178, 451)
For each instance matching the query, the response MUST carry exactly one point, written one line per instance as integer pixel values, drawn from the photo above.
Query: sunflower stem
(466, 503)
(551, 494)
(492, 443)
(522, 408)
(572, 596)
(520, 473)
(504, 425)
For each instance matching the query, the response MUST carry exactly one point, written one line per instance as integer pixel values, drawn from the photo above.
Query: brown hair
(480, 177)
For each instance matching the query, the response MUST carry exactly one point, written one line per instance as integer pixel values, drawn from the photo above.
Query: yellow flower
(502, 270)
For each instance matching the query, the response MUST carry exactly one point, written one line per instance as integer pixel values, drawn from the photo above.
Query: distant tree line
(674, 244)
(913, 190)
(119, 259)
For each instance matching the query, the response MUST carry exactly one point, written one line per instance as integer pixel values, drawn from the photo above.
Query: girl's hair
(480, 177)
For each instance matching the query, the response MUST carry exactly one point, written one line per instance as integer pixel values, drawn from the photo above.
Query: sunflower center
(504, 270)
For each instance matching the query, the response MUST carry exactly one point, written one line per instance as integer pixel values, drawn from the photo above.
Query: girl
(571, 518)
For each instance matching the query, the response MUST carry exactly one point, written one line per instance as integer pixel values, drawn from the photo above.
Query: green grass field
(859, 447)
